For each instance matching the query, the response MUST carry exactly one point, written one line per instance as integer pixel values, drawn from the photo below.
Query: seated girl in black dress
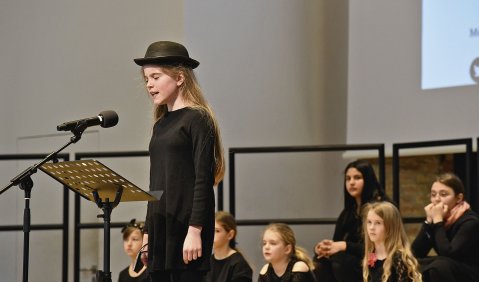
(227, 264)
(132, 243)
(388, 255)
(339, 259)
(451, 229)
(286, 261)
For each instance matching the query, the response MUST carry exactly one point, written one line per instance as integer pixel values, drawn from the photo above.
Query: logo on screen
(474, 70)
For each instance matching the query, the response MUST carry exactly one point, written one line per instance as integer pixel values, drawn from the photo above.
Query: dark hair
(452, 181)
(228, 222)
(372, 190)
(131, 227)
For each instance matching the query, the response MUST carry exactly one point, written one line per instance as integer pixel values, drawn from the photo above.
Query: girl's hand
(321, 248)
(144, 250)
(145, 239)
(438, 211)
(428, 211)
(327, 248)
(192, 245)
(336, 247)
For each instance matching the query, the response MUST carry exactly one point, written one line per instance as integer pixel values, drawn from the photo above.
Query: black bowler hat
(167, 53)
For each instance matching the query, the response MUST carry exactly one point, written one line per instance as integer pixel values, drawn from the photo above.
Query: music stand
(97, 183)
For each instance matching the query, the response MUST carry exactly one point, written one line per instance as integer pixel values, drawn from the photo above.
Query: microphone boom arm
(27, 173)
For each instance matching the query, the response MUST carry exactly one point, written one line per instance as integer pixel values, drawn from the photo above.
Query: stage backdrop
(386, 99)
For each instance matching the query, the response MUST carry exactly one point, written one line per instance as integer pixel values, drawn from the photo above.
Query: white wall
(385, 100)
(263, 68)
(64, 60)
(274, 72)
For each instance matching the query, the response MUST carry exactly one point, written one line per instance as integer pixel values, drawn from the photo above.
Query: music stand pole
(25, 182)
(107, 207)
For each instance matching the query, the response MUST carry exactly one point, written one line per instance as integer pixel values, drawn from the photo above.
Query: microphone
(104, 119)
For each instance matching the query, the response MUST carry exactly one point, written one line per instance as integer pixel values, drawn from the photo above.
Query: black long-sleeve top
(398, 272)
(182, 165)
(459, 242)
(288, 276)
(231, 269)
(348, 229)
(125, 276)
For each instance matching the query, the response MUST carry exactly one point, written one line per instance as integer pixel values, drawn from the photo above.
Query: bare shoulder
(300, 266)
(264, 269)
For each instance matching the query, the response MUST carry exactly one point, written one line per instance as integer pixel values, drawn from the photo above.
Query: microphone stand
(25, 182)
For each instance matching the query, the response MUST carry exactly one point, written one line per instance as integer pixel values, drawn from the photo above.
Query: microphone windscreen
(109, 119)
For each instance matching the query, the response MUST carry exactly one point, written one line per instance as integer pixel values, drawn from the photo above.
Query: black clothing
(288, 276)
(344, 266)
(348, 228)
(398, 271)
(457, 249)
(182, 165)
(341, 267)
(125, 276)
(178, 276)
(231, 269)
(441, 268)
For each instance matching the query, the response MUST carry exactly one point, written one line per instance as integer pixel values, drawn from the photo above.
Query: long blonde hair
(287, 236)
(193, 97)
(396, 243)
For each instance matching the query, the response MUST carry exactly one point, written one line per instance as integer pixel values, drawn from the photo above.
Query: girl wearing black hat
(186, 159)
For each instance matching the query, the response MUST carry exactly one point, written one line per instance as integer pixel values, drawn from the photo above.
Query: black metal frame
(425, 144)
(66, 203)
(220, 195)
(324, 148)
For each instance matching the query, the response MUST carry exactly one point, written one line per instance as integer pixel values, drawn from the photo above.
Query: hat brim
(169, 61)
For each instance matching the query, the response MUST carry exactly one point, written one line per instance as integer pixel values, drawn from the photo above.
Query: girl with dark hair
(132, 243)
(186, 161)
(339, 259)
(451, 229)
(227, 263)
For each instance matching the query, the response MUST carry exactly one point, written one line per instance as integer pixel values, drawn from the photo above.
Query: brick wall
(416, 175)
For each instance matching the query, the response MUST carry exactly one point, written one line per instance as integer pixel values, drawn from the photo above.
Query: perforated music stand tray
(86, 177)
(96, 182)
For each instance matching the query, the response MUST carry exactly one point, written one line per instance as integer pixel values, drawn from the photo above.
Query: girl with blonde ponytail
(388, 256)
(286, 261)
